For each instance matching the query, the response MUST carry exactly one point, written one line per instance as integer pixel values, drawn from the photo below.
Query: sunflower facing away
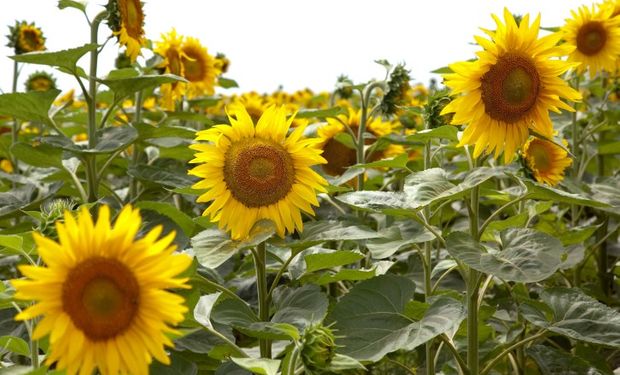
(257, 172)
(510, 88)
(102, 293)
(26, 37)
(546, 160)
(595, 35)
(126, 19)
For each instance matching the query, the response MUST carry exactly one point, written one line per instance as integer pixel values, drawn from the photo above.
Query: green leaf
(576, 315)
(345, 274)
(399, 161)
(607, 192)
(442, 70)
(370, 319)
(62, 4)
(333, 230)
(124, 87)
(552, 361)
(398, 236)
(43, 155)
(15, 344)
(541, 192)
(342, 362)
(213, 247)
(609, 148)
(179, 217)
(516, 221)
(261, 366)
(109, 140)
(65, 59)
(146, 131)
(12, 241)
(30, 106)
(377, 201)
(161, 176)
(322, 261)
(234, 313)
(202, 310)
(26, 197)
(527, 255)
(321, 113)
(178, 366)
(448, 132)
(300, 307)
(227, 83)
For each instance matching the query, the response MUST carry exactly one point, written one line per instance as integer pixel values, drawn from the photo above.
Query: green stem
(428, 265)
(90, 168)
(203, 280)
(575, 150)
(506, 351)
(473, 282)
(500, 210)
(455, 353)
(135, 156)
(15, 128)
(366, 93)
(260, 264)
(34, 353)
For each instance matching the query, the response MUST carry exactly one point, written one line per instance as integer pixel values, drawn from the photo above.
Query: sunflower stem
(575, 150)
(260, 264)
(473, 285)
(428, 263)
(15, 128)
(135, 155)
(34, 353)
(365, 99)
(91, 100)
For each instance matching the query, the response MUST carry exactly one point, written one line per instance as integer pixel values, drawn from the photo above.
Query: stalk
(135, 156)
(428, 264)
(260, 264)
(473, 282)
(574, 209)
(15, 128)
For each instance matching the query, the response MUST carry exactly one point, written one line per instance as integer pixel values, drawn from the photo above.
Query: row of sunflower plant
(150, 225)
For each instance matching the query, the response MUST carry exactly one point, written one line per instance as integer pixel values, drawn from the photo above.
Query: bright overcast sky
(292, 43)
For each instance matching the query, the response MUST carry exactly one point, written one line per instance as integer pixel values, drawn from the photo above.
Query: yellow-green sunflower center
(540, 156)
(101, 296)
(194, 66)
(131, 12)
(339, 157)
(30, 39)
(258, 172)
(591, 38)
(40, 84)
(510, 88)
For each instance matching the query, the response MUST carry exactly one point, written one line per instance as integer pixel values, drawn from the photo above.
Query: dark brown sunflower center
(339, 157)
(258, 172)
(194, 67)
(102, 297)
(591, 38)
(31, 40)
(510, 88)
(131, 12)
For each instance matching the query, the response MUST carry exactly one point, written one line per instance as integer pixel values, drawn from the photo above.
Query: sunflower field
(153, 222)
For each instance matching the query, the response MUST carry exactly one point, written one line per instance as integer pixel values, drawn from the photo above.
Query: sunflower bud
(51, 212)
(344, 87)
(432, 110)
(122, 61)
(396, 91)
(25, 37)
(318, 348)
(40, 81)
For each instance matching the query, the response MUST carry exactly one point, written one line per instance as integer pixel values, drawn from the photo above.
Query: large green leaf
(62, 4)
(321, 113)
(322, 261)
(448, 132)
(371, 320)
(124, 87)
(108, 140)
(552, 361)
(300, 307)
(607, 191)
(43, 155)
(146, 131)
(527, 255)
(572, 313)
(179, 217)
(65, 60)
(396, 237)
(213, 247)
(30, 106)
(541, 192)
(333, 230)
(166, 177)
(380, 201)
(234, 313)
(260, 366)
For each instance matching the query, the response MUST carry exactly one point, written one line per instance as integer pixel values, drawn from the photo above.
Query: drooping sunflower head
(198, 68)
(546, 160)
(255, 172)
(25, 37)
(510, 88)
(102, 293)
(40, 81)
(126, 19)
(594, 33)
(169, 48)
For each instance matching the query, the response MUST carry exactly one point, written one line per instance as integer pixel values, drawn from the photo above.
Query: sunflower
(103, 293)
(126, 18)
(339, 156)
(257, 172)
(26, 37)
(170, 49)
(6, 166)
(510, 88)
(254, 103)
(546, 160)
(198, 68)
(40, 81)
(595, 36)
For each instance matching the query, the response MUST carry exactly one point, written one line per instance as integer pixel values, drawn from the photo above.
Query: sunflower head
(344, 87)
(103, 293)
(510, 88)
(6, 166)
(396, 94)
(594, 35)
(40, 81)
(318, 348)
(545, 160)
(198, 68)
(126, 20)
(222, 63)
(257, 171)
(169, 48)
(25, 37)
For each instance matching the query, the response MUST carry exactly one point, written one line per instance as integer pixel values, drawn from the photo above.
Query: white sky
(293, 43)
